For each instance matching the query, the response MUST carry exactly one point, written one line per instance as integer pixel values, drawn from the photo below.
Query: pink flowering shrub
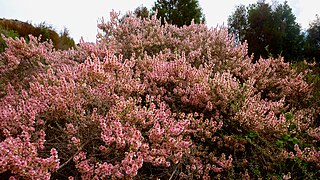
(20, 157)
(202, 46)
(22, 60)
(153, 101)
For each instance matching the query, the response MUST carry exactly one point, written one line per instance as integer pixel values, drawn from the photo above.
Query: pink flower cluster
(20, 157)
(144, 99)
(308, 154)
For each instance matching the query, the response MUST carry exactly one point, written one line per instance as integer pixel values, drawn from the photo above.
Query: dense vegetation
(15, 28)
(155, 101)
(269, 29)
(272, 30)
(178, 12)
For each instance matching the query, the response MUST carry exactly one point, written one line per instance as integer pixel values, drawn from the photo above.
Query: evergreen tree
(287, 33)
(142, 12)
(270, 30)
(312, 46)
(238, 23)
(259, 33)
(179, 12)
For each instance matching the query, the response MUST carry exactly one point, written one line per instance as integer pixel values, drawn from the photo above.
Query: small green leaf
(288, 116)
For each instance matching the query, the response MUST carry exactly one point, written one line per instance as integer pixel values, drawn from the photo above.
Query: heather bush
(153, 101)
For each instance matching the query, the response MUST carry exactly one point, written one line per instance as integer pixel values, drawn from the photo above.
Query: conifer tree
(179, 12)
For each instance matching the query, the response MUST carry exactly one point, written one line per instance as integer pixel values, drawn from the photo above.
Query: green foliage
(238, 23)
(251, 135)
(142, 12)
(289, 32)
(288, 116)
(287, 141)
(269, 31)
(65, 41)
(179, 12)
(6, 33)
(24, 29)
(312, 45)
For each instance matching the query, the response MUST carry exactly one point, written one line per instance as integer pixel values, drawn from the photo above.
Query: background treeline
(16, 28)
(269, 29)
(272, 30)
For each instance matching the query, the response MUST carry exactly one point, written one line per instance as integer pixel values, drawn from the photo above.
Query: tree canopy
(312, 45)
(179, 12)
(269, 30)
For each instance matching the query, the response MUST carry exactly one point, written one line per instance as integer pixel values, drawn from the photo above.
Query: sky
(81, 17)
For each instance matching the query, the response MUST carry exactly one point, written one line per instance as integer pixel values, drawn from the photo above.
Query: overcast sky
(81, 16)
